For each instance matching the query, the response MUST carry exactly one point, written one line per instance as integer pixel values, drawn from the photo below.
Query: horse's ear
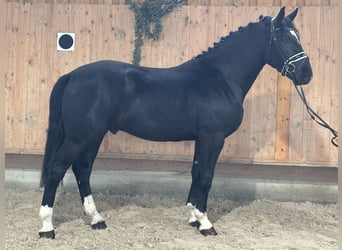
(277, 20)
(293, 14)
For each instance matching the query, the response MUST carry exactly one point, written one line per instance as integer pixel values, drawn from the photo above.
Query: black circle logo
(66, 41)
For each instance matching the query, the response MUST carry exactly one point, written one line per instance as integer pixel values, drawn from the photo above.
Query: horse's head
(285, 53)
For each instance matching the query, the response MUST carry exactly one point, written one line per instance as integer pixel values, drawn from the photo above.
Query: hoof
(210, 231)
(99, 225)
(195, 224)
(47, 235)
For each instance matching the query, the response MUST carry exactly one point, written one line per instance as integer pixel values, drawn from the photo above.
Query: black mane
(233, 34)
(241, 29)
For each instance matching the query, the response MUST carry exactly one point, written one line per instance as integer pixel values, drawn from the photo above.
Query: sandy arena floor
(151, 222)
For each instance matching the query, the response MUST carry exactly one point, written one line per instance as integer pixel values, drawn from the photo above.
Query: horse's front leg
(208, 149)
(194, 189)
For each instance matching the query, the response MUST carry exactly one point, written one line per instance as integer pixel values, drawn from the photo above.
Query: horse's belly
(159, 133)
(158, 125)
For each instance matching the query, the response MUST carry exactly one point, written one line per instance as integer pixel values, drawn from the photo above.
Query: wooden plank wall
(275, 128)
(202, 2)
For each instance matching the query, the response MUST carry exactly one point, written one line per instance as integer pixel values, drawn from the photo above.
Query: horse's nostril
(306, 73)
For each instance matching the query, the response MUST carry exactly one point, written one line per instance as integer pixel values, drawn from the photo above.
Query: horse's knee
(195, 169)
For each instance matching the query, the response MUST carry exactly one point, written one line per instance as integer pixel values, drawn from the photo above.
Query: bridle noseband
(289, 65)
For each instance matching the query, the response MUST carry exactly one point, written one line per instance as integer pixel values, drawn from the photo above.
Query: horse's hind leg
(82, 170)
(64, 157)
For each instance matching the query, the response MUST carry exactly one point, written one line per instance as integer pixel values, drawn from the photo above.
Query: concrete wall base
(178, 184)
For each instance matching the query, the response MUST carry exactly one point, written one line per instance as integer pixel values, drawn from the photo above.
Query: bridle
(289, 64)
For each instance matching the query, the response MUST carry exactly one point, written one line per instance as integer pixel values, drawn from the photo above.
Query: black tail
(55, 133)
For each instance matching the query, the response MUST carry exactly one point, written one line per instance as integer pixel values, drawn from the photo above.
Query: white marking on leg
(45, 214)
(90, 210)
(192, 213)
(203, 220)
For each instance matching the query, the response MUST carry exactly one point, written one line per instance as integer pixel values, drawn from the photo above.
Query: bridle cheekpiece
(289, 64)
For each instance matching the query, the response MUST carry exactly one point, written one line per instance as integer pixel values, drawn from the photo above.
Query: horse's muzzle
(303, 73)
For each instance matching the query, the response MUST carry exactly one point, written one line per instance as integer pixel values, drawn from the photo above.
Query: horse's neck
(242, 58)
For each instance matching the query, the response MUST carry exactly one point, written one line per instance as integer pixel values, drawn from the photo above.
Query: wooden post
(2, 109)
(283, 118)
(339, 75)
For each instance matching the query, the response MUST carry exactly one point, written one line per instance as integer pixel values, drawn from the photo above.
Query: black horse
(199, 100)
